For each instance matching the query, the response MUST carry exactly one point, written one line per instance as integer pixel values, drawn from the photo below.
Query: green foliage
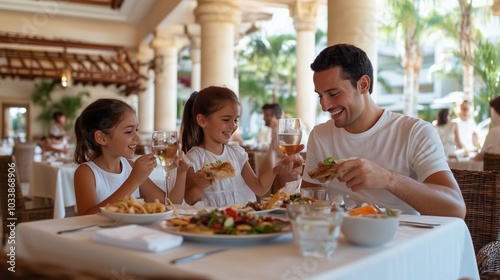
(486, 66)
(69, 105)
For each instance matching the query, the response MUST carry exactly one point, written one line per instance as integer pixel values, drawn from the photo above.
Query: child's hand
(143, 166)
(202, 179)
(289, 168)
(181, 162)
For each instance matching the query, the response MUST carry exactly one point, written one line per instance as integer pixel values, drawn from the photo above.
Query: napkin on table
(138, 237)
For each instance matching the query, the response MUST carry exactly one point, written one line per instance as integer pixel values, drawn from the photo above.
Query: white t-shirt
(107, 183)
(397, 142)
(491, 143)
(226, 191)
(466, 129)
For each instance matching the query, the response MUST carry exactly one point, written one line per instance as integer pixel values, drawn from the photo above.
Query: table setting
(158, 249)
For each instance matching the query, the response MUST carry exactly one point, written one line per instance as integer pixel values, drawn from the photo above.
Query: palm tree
(412, 21)
(274, 57)
(486, 66)
(466, 39)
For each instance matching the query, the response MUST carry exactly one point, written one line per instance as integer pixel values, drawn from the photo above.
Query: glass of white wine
(165, 145)
(289, 135)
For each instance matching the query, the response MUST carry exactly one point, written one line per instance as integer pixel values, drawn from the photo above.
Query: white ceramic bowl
(369, 230)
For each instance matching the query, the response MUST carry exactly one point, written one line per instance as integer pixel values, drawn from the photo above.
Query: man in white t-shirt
(390, 159)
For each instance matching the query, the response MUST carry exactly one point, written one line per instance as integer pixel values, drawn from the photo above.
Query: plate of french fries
(131, 210)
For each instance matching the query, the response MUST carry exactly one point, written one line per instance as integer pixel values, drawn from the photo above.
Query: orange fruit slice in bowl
(363, 210)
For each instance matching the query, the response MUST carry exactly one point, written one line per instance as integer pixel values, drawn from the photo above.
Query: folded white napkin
(138, 237)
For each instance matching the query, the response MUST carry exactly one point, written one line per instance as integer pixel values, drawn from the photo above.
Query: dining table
(55, 180)
(465, 164)
(442, 252)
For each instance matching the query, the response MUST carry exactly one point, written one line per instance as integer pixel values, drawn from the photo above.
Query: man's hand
(359, 174)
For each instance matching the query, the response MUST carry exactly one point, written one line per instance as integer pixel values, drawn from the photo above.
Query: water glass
(318, 193)
(318, 232)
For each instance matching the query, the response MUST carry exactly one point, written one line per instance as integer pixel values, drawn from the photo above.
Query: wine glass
(289, 135)
(165, 145)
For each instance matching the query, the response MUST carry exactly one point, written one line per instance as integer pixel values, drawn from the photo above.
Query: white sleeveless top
(106, 183)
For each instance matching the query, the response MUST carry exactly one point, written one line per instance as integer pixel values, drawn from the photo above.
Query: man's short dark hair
(275, 108)
(495, 104)
(353, 60)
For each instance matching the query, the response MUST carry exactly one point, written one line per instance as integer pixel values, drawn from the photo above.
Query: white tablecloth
(444, 252)
(466, 164)
(57, 182)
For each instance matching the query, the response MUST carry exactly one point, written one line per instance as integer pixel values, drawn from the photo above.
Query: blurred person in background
(467, 127)
(57, 140)
(449, 133)
(272, 113)
(491, 143)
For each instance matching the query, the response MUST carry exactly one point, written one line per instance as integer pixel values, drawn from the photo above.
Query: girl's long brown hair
(103, 114)
(205, 102)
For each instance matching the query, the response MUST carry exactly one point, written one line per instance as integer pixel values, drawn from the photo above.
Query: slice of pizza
(219, 170)
(325, 171)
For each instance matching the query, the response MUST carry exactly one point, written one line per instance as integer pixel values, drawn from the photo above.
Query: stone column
(193, 31)
(218, 20)
(355, 22)
(304, 14)
(166, 46)
(146, 99)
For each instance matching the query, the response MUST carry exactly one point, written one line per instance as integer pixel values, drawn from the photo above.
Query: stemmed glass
(289, 136)
(165, 145)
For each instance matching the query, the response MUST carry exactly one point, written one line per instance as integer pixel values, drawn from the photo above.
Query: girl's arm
(196, 183)
(85, 193)
(183, 164)
(85, 188)
(457, 137)
(287, 167)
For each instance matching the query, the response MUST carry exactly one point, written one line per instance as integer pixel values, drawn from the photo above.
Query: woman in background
(448, 132)
(491, 143)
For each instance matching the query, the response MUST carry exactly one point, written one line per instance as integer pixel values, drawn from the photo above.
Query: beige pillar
(304, 14)
(194, 32)
(146, 98)
(217, 19)
(355, 22)
(165, 108)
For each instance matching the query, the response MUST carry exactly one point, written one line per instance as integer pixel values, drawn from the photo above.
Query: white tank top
(106, 183)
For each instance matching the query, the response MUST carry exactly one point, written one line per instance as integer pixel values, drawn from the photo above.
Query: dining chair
(481, 193)
(17, 207)
(491, 161)
(25, 154)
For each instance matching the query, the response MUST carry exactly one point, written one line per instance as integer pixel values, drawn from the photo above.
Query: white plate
(279, 211)
(137, 218)
(222, 238)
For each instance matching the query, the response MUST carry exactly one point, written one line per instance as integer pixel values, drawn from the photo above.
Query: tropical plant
(486, 66)
(412, 20)
(274, 58)
(69, 105)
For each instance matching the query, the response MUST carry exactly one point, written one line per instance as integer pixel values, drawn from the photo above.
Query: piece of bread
(217, 170)
(324, 171)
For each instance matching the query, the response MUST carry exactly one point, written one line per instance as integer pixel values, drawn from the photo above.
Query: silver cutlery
(418, 224)
(115, 224)
(196, 256)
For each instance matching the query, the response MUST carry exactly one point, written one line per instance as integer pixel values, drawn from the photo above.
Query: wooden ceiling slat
(86, 68)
